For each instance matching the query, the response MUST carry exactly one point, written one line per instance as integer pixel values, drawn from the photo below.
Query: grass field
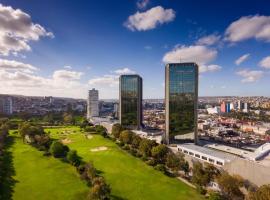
(129, 177)
(43, 178)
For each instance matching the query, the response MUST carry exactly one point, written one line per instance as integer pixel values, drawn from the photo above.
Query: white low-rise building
(205, 154)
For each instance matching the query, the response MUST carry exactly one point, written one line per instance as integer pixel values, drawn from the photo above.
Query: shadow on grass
(114, 197)
(7, 182)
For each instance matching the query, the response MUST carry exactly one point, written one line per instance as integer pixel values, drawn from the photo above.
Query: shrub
(151, 162)
(133, 152)
(126, 136)
(126, 147)
(100, 190)
(160, 167)
(120, 144)
(73, 158)
(201, 190)
(58, 150)
(116, 130)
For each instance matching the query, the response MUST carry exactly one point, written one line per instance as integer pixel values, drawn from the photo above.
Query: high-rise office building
(130, 99)
(92, 104)
(6, 106)
(181, 97)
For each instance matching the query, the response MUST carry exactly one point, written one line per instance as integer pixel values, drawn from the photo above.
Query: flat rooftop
(208, 151)
(232, 150)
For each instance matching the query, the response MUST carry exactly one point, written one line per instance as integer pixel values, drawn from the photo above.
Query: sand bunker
(66, 141)
(99, 149)
(89, 136)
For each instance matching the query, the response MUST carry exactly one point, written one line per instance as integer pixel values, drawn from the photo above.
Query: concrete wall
(249, 170)
(254, 172)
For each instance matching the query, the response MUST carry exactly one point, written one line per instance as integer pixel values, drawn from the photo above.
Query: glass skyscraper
(181, 96)
(130, 97)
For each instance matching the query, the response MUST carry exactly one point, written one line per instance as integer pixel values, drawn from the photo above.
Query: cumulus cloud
(17, 29)
(150, 19)
(209, 40)
(21, 78)
(67, 74)
(250, 76)
(194, 53)
(265, 62)
(16, 66)
(209, 68)
(248, 27)
(106, 80)
(124, 71)
(242, 59)
(112, 79)
(141, 4)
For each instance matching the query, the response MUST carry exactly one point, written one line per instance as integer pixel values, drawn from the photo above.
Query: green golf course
(40, 177)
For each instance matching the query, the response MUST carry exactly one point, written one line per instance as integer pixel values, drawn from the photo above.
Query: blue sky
(63, 48)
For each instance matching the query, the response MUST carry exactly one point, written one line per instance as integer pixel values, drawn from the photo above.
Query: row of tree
(36, 136)
(160, 156)
(154, 154)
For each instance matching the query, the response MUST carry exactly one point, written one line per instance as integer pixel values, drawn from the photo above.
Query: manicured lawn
(38, 177)
(129, 177)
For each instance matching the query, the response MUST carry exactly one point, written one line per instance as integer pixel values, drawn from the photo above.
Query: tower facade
(92, 104)
(130, 101)
(181, 102)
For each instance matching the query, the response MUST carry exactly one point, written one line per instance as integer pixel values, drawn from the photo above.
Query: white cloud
(150, 19)
(67, 67)
(111, 80)
(209, 40)
(209, 68)
(248, 27)
(17, 29)
(22, 78)
(16, 66)
(250, 76)
(124, 71)
(106, 80)
(265, 62)
(141, 4)
(67, 74)
(242, 59)
(197, 53)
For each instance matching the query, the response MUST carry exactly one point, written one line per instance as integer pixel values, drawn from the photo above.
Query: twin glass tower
(181, 97)
(130, 97)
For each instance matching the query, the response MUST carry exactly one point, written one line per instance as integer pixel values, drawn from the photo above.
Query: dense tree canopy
(57, 149)
(230, 186)
(116, 130)
(262, 193)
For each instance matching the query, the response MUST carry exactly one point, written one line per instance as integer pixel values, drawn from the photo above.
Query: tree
(28, 129)
(101, 130)
(136, 141)
(215, 196)
(58, 150)
(73, 158)
(116, 130)
(230, 186)
(100, 190)
(88, 172)
(126, 136)
(185, 167)
(145, 147)
(200, 177)
(173, 162)
(159, 152)
(90, 129)
(68, 118)
(262, 193)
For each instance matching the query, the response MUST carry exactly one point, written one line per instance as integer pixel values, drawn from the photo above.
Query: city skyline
(65, 55)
